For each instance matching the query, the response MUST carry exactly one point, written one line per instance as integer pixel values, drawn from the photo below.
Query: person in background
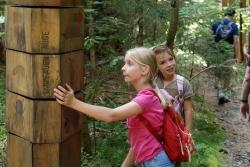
(244, 106)
(138, 70)
(168, 80)
(226, 30)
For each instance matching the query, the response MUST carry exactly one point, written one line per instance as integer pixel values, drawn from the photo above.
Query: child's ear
(145, 70)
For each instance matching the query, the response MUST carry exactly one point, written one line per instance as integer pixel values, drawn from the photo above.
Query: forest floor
(237, 143)
(236, 148)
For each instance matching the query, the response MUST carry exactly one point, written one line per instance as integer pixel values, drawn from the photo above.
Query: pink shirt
(142, 142)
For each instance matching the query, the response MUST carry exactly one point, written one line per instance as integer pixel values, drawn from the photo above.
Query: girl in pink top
(138, 70)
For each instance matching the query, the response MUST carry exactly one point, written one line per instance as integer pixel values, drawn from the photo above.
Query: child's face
(132, 71)
(166, 64)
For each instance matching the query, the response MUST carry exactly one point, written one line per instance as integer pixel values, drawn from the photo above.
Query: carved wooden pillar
(44, 49)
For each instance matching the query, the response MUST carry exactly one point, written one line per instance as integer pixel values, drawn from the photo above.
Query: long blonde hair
(146, 56)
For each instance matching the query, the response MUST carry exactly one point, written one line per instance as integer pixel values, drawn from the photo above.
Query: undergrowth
(111, 144)
(208, 135)
(3, 132)
(109, 140)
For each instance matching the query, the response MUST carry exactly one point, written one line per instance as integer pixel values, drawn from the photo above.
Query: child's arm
(188, 108)
(244, 107)
(67, 98)
(129, 160)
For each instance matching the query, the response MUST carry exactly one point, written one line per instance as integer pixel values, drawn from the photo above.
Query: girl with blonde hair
(138, 70)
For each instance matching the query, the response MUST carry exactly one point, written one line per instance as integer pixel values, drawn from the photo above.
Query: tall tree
(173, 23)
(242, 35)
(91, 36)
(140, 23)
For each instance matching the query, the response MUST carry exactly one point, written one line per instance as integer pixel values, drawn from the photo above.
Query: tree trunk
(249, 34)
(231, 2)
(140, 37)
(91, 32)
(173, 23)
(86, 140)
(242, 35)
(2, 50)
(249, 43)
(224, 3)
(155, 25)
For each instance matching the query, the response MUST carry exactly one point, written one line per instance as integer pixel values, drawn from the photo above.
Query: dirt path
(237, 144)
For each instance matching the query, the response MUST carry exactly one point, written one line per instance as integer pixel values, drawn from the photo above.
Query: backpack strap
(180, 85)
(150, 128)
(221, 24)
(230, 24)
(148, 125)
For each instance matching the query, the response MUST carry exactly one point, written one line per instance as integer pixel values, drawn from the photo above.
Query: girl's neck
(141, 86)
(169, 79)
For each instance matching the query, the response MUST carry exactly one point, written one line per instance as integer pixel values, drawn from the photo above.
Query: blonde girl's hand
(64, 96)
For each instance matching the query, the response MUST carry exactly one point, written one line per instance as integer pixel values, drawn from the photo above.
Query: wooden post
(44, 49)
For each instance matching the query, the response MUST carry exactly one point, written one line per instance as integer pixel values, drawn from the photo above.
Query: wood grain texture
(44, 2)
(41, 121)
(44, 30)
(23, 153)
(19, 152)
(36, 76)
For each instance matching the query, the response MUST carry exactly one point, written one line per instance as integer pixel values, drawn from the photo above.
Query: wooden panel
(19, 152)
(44, 2)
(70, 152)
(46, 155)
(44, 30)
(22, 153)
(36, 76)
(40, 121)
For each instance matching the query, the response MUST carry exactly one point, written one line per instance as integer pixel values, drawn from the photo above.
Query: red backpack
(175, 139)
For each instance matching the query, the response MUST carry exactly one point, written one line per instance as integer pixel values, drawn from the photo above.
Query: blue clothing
(235, 30)
(248, 62)
(160, 160)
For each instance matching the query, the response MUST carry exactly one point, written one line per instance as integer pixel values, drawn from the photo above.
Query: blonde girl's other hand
(64, 96)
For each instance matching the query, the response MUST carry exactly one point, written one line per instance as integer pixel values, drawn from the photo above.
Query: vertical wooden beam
(43, 49)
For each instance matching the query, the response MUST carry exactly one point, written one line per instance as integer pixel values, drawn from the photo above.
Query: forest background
(113, 26)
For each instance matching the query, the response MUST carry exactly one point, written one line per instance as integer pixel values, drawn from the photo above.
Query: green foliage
(208, 136)
(3, 132)
(111, 145)
(116, 22)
